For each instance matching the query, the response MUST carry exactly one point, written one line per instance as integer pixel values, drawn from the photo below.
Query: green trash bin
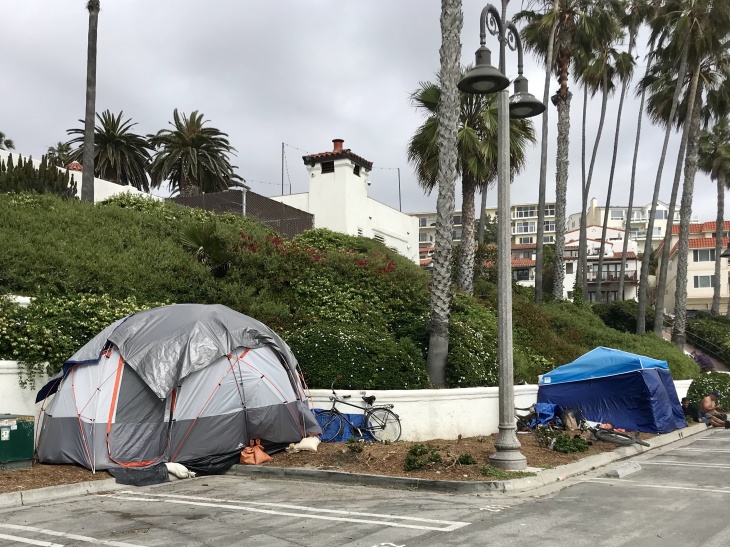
(16, 441)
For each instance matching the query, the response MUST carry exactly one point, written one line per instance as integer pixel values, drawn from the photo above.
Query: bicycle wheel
(331, 425)
(614, 437)
(383, 425)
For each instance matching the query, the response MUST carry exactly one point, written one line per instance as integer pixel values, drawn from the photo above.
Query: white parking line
(76, 537)
(394, 521)
(625, 482)
(688, 464)
(19, 539)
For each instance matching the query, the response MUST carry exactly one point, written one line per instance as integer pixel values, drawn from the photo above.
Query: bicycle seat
(369, 400)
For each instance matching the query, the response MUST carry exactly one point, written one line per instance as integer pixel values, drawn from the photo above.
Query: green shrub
(45, 334)
(711, 335)
(420, 456)
(707, 383)
(621, 315)
(465, 459)
(566, 444)
(472, 359)
(365, 357)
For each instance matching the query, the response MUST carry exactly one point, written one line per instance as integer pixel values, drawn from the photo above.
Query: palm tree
(639, 12)
(120, 155)
(573, 22)
(60, 154)
(87, 175)
(714, 159)
(193, 158)
(5, 143)
(476, 156)
(452, 20)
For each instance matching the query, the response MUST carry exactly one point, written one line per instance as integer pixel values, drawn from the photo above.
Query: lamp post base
(508, 455)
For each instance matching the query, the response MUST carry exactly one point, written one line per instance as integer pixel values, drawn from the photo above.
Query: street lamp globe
(524, 104)
(483, 78)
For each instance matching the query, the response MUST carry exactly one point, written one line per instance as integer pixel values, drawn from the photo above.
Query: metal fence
(285, 219)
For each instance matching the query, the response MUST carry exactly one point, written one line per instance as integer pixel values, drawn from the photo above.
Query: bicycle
(611, 436)
(380, 422)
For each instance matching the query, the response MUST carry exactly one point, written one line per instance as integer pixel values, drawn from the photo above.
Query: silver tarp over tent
(184, 383)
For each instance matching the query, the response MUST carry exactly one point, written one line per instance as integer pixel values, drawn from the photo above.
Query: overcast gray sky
(298, 72)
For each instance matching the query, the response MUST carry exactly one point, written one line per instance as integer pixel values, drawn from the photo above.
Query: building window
(617, 214)
(328, 167)
(525, 240)
(527, 255)
(657, 231)
(523, 274)
(457, 219)
(422, 222)
(570, 295)
(456, 235)
(356, 171)
(661, 214)
(379, 237)
(423, 237)
(549, 225)
(569, 268)
(526, 227)
(526, 211)
(703, 255)
(550, 210)
(704, 281)
(548, 239)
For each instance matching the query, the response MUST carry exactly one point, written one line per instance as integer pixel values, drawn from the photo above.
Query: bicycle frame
(365, 409)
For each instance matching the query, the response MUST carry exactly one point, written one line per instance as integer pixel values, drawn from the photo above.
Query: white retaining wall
(425, 413)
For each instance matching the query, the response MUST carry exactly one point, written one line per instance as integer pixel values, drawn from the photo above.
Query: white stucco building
(103, 189)
(339, 201)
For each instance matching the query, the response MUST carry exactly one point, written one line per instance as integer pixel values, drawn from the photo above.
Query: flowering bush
(364, 357)
(49, 331)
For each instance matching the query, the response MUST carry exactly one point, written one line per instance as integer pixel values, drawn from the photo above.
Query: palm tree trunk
(448, 119)
(694, 103)
(543, 165)
(87, 175)
(719, 231)
(624, 87)
(482, 216)
(604, 102)
(582, 274)
(466, 258)
(561, 189)
(629, 212)
(644, 280)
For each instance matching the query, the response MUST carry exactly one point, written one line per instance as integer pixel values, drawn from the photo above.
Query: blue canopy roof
(599, 363)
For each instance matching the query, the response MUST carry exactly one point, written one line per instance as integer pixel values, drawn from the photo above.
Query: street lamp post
(485, 79)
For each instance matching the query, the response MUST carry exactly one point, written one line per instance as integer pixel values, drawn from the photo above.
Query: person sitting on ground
(691, 410)
(709, 409)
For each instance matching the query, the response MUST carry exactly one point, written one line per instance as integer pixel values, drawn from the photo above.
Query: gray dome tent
(188, 383)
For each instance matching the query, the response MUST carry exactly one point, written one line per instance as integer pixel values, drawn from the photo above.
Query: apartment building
(700, 268)
(523, 225)
(618, 217)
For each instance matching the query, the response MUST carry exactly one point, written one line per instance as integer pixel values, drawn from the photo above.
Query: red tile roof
(703, 227)
(74, 166)
(338, 155)
(518, 246)
(701, 243)
(425, 261)
(522, 262)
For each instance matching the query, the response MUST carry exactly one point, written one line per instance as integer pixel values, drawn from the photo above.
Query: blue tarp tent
(631, 391)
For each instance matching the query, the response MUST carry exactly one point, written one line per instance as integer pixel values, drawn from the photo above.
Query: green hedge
(621, 315)
(364, 357)
(707, 383)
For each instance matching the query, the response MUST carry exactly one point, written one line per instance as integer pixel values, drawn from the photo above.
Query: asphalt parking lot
(676, 498)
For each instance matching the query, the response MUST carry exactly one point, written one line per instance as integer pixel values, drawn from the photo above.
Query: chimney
(338, 145)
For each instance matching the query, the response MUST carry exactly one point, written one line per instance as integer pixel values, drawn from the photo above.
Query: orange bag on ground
(254, 454)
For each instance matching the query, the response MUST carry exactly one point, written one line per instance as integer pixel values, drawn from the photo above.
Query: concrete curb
(50, 493)
(543, 477)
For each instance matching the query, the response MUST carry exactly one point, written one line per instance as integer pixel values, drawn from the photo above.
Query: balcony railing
(613, 277)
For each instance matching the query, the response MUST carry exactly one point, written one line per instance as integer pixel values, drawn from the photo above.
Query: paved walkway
(689, 348)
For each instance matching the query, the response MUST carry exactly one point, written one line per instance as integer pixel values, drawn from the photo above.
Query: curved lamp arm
(490, 19)
(515, 44)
